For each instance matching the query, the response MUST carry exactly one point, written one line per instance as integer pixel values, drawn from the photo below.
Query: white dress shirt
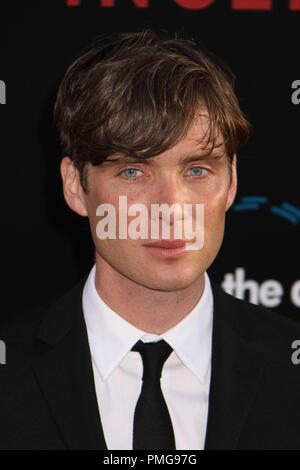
(118, 370)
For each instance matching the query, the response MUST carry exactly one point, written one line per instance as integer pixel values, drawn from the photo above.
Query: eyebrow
(208, 156)
(192, 158)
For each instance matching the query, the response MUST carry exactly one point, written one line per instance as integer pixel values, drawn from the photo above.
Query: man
(150, 120)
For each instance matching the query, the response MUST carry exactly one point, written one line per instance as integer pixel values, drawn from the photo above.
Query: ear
(233, 184)
(72, 189)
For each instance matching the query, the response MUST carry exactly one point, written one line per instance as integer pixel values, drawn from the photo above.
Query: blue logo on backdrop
(269, 292)
(285, 210)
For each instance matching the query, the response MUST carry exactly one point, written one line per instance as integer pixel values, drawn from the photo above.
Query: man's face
(180, 175)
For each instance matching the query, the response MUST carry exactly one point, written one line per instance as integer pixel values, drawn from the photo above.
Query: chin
(169, 282)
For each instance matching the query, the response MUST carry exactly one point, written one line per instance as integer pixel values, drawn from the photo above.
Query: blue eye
(198, 170)
(130, 173)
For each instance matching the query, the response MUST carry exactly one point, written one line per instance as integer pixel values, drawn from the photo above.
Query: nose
(170, 193)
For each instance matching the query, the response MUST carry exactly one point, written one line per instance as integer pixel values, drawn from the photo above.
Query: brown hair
(137, 94)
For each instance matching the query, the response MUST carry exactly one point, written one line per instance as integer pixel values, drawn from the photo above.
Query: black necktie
(152, 427)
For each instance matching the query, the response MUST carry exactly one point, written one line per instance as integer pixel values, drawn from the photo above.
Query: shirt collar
(111, 337)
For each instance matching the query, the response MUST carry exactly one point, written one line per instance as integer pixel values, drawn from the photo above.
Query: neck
(150, 310)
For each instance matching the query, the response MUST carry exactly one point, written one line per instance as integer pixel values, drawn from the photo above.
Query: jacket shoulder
(273, 332)
(18, 331)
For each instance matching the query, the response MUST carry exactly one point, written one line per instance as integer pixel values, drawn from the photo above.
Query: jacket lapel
(65, 376)
(236, 374)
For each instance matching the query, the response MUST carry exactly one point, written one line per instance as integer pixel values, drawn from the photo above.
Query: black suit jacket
(48, 399)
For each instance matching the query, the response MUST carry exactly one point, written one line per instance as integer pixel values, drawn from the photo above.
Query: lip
(166, 249)
(168, 244)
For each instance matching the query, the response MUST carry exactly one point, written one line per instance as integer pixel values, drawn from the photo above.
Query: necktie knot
(154, 355)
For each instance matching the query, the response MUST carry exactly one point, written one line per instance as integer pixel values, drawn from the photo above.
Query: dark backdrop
(46, 247)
